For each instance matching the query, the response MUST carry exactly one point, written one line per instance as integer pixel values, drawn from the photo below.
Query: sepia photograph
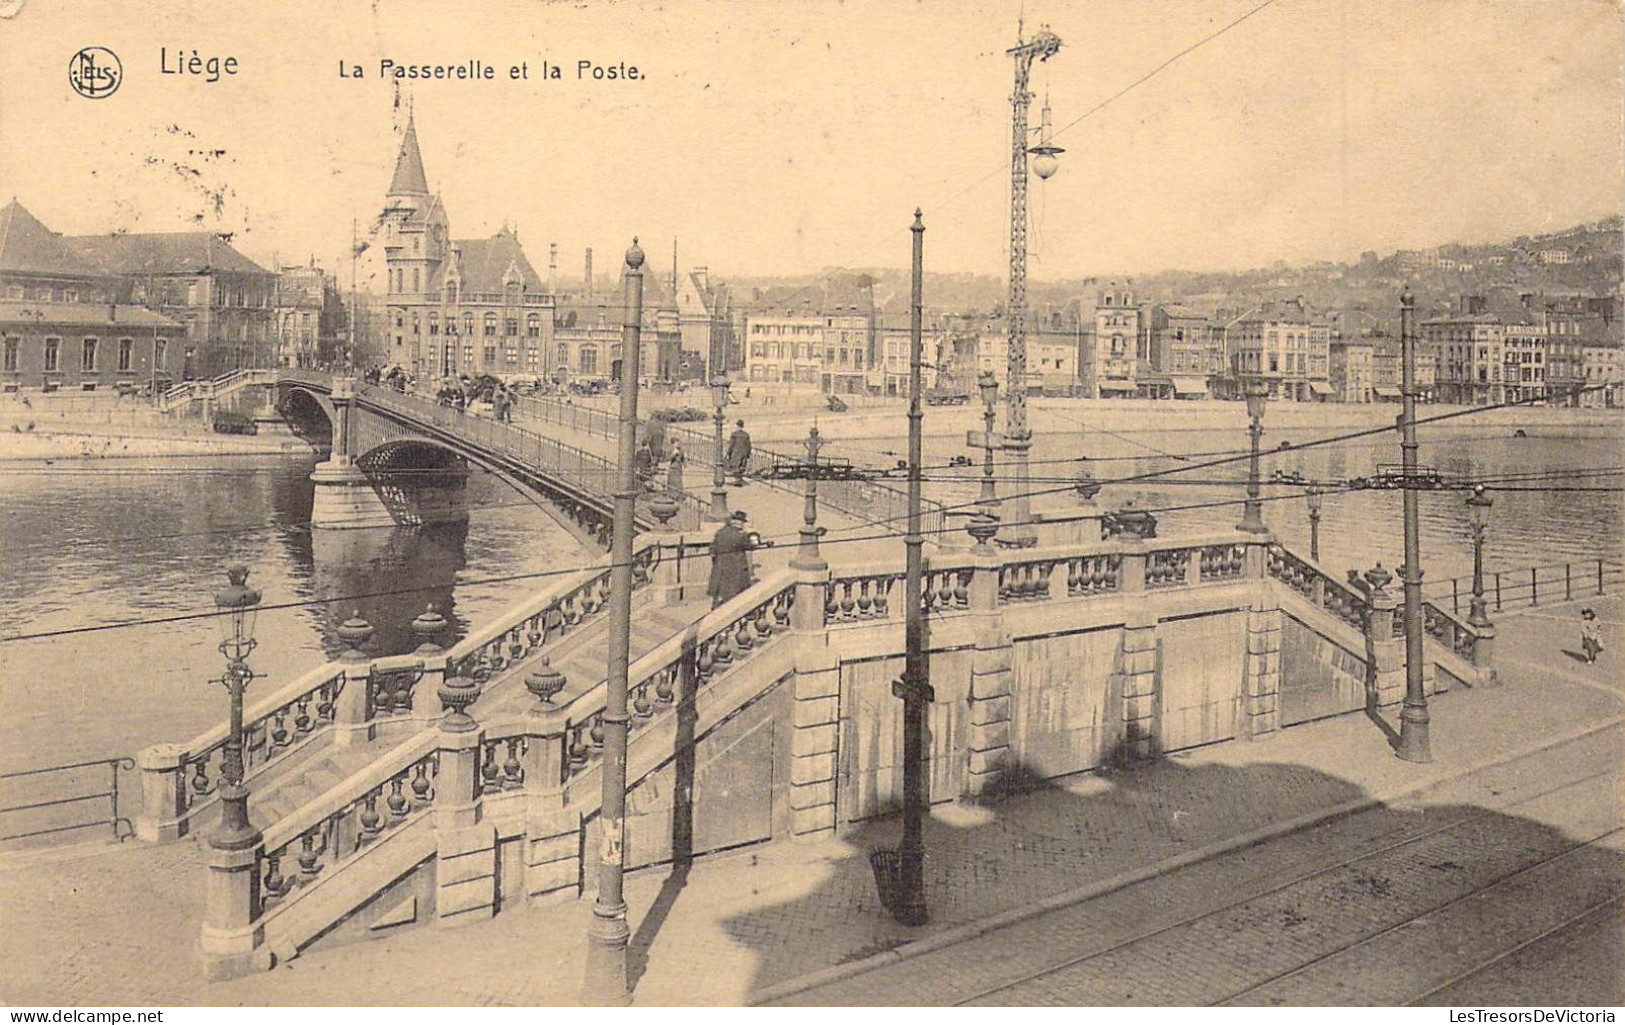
(875, 503)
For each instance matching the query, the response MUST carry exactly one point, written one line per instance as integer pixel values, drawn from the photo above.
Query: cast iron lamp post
(237, 604)
(718, 511)
(1478, 508)
(1314, 524)
(606, 976)
(1252, 519)
(1413, 717)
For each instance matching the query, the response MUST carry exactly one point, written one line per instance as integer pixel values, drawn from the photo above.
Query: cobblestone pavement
(1476, 867)
(119, 925)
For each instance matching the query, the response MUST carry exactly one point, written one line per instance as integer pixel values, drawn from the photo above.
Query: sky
(783, 138)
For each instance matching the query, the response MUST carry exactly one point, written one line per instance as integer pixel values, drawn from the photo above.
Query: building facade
(458, 306)
(1118, 344)
(1286, 346)
(1180, 347)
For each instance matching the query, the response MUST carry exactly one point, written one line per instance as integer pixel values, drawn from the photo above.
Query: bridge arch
(308, 414)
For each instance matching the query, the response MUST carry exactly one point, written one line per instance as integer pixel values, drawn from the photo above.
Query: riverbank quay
(87, 442)
(772, 922)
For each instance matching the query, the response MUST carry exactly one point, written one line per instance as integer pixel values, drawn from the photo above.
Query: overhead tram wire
(508, 578)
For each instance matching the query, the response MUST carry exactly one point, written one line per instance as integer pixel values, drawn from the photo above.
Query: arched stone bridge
(402, 459)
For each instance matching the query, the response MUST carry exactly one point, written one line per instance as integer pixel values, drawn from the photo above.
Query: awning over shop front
(1116, 385)
(1190, 386)
(1384, 392)
(1320, 387)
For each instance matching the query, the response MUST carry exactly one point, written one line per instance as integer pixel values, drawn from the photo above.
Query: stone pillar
(345, 498)
(1484, 655)
(1261, 682)
(991, 682)
(466, 852)
(1138, 659)
(815, 746)
(1385, 653)
(353, 711)
(163, 793)
(232, 941)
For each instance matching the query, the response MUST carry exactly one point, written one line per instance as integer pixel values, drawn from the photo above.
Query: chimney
(589, 272)
(552, 267)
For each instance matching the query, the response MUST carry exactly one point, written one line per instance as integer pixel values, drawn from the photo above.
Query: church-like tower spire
(409, 178)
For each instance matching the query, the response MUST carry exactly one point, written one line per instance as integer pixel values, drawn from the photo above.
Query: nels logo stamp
(95, 72)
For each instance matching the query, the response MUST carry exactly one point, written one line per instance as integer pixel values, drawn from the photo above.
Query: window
(451, 292)
(88, 359)
(511, 327)
(434, 323)
(126, 350)
(490, 325)
(589, 361)
(400, 319)
(533, 325)
(160, 353)
(417, 282)
(468, 323)
(1275, 363)
(11, 356)
(70, 295)
(468, 356)
(53, 352)
(416, 329)
(490, 354)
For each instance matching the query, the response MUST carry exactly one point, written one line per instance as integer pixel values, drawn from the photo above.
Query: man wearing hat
(730, 560)
(738, 459)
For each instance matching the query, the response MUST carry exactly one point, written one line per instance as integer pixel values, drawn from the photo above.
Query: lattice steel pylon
(1017, 435)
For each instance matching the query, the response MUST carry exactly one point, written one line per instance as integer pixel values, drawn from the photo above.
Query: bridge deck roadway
(1468, 913)
(774, 509)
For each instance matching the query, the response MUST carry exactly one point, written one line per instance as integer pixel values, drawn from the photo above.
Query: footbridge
(395, 458)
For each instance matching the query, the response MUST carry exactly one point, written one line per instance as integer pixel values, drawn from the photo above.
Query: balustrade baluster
(720, 653)
(883, 586)
(513, 770)
(420, 784)
(279, 732)
(301, 719)
(865, 603)
(832, 606)
(490, 781)
(1044, 570)
(200, 777)
(324, 707)
(308, 866)
(781, 610)
(370, 820)
(578, 749)
(640, 702)
(847, 604)
(596, 734)
(396, 800)
(666, 687)
(276, 884)
(742, 638)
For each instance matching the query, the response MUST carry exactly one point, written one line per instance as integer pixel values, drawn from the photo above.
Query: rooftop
(164, 252)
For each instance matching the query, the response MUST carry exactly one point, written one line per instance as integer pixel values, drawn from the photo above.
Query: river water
(93, 543)
(97, 543)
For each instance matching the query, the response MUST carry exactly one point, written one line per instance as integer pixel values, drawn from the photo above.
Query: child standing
(1588, 635)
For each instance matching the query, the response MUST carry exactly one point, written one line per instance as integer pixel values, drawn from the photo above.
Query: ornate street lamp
(1252, 519)
(1478, 509)
(1314, 524)
(237, 604)
(807, 554)
(985, 524)
(718, 511)
(1414, 722)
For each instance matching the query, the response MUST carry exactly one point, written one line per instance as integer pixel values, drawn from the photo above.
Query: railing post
(163, 793)
(232, 940)
(466, 847)
(1261, 683)
(553, 836)
(1385, 654)
(991, 680)
(815, 744)
(353, 711)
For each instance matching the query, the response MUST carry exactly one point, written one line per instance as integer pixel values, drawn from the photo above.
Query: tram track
(1411, 839)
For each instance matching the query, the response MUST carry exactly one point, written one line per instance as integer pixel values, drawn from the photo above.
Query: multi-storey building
(1119, 345)
(893, 338)
(1286, 346)
(458, 306)
(1603, 374)
(1180, 347)
(309, 315)
(226, 301)
(822, 335)
(587, 340)
(62, 325)
(1353, 370)
(1470, 345)
(706, 322)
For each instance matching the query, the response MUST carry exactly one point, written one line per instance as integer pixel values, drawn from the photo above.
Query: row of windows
(89, 354)
(43, 295)
(533, 324)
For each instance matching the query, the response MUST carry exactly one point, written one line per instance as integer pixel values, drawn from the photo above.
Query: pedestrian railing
(61, 799)
(871, 501)
(181, 781)
(1531, 585)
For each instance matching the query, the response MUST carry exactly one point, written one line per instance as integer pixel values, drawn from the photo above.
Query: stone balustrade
(349, 700)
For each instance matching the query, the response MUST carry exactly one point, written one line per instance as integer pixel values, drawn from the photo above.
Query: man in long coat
(730, 560)
(739, 452)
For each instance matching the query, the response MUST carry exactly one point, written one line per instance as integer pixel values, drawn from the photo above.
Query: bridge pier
(345, 498)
